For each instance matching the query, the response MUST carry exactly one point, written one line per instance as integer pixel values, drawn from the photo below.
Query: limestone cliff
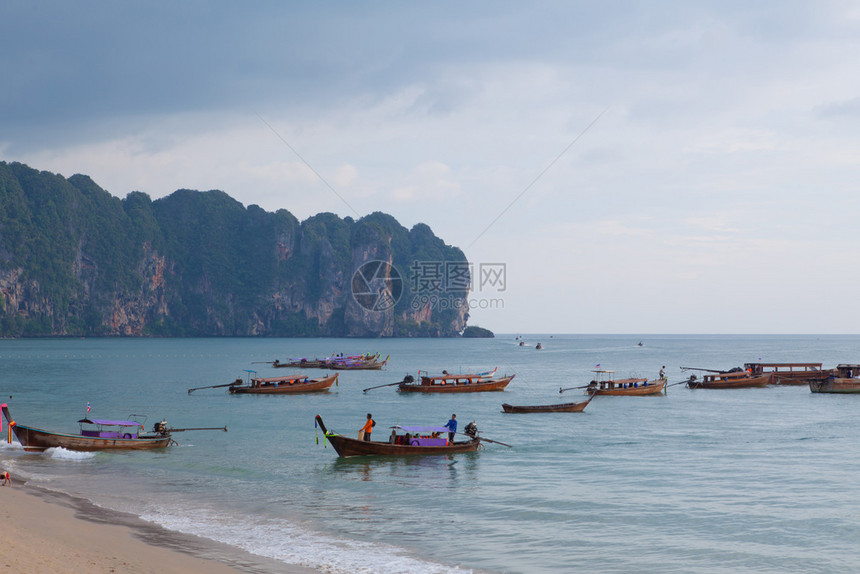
(75, 260)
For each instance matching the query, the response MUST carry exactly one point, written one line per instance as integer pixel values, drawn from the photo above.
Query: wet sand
(43, 531)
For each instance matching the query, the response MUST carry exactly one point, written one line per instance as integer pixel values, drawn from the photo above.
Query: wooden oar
(488, 440)
(572, 388)
(215, 386)
(700, 369)
(681, 383)
(407, 379)
(380, 386)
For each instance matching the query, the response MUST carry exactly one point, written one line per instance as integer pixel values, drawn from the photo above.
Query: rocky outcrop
(20, 296)
(75, 260)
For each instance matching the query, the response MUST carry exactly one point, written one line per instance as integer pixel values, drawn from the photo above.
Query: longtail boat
(362, 364)
(292, 384)
(604, 384)
(299, 364)
(789, 373)
(95, 434)
(447, 383)
(415, 440)
(729, 380)
(845, 380)
(559, 408)
(369, 361)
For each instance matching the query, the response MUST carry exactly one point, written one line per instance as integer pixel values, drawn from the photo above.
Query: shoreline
(50, 531)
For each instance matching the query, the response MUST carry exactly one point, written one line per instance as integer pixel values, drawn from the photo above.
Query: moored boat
(845, 380)
(605, 384)
(292, 384)
(447, 383)
(414, 440)
(731, 380)
(789, 373)
(95, 435)
(557, 408)
(369, 361)
(299, 364)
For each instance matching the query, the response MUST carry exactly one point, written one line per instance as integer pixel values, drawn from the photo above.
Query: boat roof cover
(420, 428)
(280, 379)
(111, 422)
(458, 375)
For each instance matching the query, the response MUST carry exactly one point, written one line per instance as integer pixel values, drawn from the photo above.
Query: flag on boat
(89, 407)
(597, 366)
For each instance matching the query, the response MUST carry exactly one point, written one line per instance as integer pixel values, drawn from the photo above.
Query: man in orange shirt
(368, 427)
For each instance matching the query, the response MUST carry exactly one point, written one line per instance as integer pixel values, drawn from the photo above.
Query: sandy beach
(47, 532)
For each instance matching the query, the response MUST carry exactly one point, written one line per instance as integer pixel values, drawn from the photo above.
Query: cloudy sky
(638, 167)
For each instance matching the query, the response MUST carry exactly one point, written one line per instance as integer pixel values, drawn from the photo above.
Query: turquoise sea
(749, 480)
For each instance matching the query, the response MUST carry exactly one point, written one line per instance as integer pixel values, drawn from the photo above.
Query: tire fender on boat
(126, 436)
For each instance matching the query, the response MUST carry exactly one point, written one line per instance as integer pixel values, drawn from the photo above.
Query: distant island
(474, 332)
(77, 261)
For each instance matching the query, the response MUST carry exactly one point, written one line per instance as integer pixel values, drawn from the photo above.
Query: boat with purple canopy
(410, 440)
(97, 434)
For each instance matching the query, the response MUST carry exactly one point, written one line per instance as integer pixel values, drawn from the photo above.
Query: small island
(473, 332)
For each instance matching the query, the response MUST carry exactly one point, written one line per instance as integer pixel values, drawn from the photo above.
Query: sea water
(750, 480)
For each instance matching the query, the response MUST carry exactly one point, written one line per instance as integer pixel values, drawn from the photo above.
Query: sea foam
(286, 542)
(60, 453)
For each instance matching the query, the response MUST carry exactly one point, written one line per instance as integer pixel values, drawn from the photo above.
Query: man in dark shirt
(451, 426)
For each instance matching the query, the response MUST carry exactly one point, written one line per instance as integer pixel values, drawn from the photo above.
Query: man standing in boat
(368, 427)
(452, 427)
(663, 372)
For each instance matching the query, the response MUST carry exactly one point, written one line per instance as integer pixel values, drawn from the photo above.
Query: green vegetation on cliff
(75, 260)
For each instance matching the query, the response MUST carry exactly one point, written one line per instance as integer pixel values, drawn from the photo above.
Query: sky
(614, 167)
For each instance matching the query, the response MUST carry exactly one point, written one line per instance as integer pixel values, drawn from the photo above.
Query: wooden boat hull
(733, 383)
(35, 440)
(798, 379)
(299, 365)
(835, 385)
(560, 408)
(493, 385)
(312, 386)
(789, 373)
(652, 388)
(374, 366)
(363, 363)
(345, 447)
